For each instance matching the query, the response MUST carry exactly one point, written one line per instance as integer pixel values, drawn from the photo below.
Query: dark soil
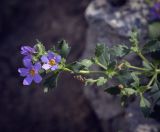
(27, 109)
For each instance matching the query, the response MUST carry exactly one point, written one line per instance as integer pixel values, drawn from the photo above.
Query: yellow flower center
(32, 72)
(52, 62)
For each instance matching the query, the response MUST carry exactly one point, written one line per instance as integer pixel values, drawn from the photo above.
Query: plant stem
(90, 72)
(144, 59)
(83, 71)
(66, 69)
(104, 67)
(137, 68)
(152, 80)
(158, 71)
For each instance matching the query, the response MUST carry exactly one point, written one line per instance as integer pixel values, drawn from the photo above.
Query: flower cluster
(44, 61)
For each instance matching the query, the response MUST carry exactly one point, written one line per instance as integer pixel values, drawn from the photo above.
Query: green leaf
(90, 81)
(120, 50)
(134, 41)
(40, 48)
(128, 91)
(155, 92)
(145, 106)
(64, 48)
(124, 77)
(146, 65)
(113, 90)
(77, 66)
(102, 54)
(111, 71)
(154, 31)
(50, 82)
(142, 89)
(151, 46)
(86, 62)
(101, 81)
(136, 79)
(99, 49)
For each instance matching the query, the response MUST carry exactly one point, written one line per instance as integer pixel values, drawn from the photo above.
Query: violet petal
(37, 66)
(27, 80)
(44, 59)
(27, 62)
(37, 78)
(54, 67)
(58, 58)
(23, 71)
(51, 55)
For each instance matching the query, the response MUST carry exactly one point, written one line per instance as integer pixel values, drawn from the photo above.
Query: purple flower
(155, 12)
(51, 61)
(27, 50)
(30, 72)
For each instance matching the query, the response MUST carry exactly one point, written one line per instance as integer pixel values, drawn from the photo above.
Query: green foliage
(50, 82)
(63, 48)
(155, 93)
(40, 50)
(134, 41)
(136, 80)
(111, 67)
(124, 77)
(99, 82)
(154, 31)
(145, 106)
(128, 91)
(151, 46)
(86, 63)
(102, 54)
(120, 50)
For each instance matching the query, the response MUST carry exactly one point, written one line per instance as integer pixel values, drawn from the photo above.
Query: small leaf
(134, 41)
(99, 50)
(155, 93)
(151, 46)
(145, 106)
(136, 79)
(154, 30)
(90, 81)
(124, 77)
(128, 91)
(141, 89)
(50, 82)
(64, 48)
(87, 63)
(101, 81)
(102, 54)
(76, 67)
(146, 65)
(113, 90)
(120, 50)
(40, 49)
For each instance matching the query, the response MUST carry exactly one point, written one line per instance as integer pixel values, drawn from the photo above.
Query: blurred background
(70, 108)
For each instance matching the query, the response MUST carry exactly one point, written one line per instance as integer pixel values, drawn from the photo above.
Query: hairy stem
(137, 68)
(152, 80)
